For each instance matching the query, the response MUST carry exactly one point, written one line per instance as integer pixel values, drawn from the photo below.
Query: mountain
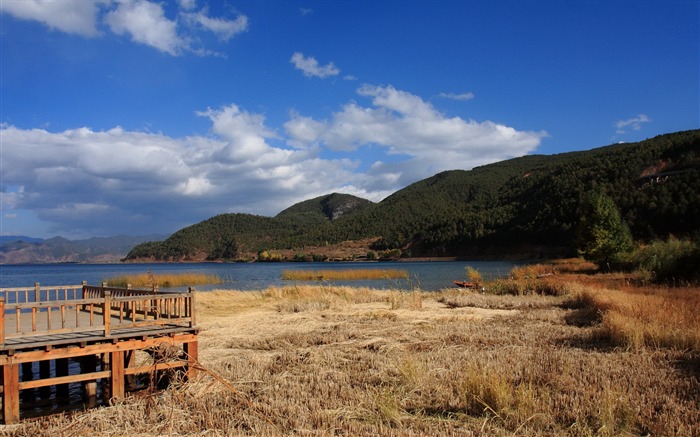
(22, 250)
(4, 239)
(525, 207)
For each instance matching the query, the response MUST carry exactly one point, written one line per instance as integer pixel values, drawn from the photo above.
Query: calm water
(428, 276)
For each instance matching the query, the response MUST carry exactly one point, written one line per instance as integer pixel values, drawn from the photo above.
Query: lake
(426, 275)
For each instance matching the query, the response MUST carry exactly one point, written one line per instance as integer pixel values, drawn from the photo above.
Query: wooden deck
(81, 322)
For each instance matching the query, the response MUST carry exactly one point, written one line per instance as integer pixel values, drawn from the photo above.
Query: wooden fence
(27, 313)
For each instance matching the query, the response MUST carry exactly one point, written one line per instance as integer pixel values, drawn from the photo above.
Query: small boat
(465, 284)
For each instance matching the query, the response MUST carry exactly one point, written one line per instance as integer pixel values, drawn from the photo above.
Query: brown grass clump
(459, 363)
(343, 274)
(636, 318)
(149, 280)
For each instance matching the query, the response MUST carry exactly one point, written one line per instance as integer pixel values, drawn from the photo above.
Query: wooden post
(10, 393)
(191, 350)
(193, 321)
(2, 322)
(116, 385)
(106, 311)
(37, 292)
(88, 364)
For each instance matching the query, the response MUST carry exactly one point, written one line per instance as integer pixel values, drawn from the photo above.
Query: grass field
(601, 357)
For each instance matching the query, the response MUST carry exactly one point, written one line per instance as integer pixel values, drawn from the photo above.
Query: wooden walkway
(101, 327)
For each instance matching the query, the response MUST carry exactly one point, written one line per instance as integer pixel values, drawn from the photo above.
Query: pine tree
(602, 235)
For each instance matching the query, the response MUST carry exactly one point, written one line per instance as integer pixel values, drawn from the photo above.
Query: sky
(131, 117)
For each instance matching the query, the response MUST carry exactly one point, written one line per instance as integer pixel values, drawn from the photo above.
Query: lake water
(426, 275)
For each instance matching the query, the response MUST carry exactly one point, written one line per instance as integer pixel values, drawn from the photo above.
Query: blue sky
(135, 116)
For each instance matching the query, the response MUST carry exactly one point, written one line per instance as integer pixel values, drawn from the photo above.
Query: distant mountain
(10, 238)
(525, 207)
(23, 250)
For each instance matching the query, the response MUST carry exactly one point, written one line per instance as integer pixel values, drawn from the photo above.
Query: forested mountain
(524, 206)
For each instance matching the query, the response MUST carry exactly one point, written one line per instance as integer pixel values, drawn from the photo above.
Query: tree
(602, 235)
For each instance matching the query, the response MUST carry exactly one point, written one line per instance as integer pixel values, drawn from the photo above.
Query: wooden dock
(102, 328)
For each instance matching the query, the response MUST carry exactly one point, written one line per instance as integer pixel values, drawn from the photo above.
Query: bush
(673, 260)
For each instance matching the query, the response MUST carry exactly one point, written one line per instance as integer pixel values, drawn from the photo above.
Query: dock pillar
(116, 383)
(10, 393)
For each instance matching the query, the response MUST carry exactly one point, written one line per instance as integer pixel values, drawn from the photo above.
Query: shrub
(668, 261)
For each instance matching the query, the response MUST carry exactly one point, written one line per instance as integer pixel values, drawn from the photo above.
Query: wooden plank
(192, 351)
(64, 379)
(75, 338)
(116, 381)
(10, 393)
(71, 352)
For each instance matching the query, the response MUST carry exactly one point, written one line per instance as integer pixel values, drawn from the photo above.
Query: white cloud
(146, 23)
(309, 66)
(77, 17)
(188, 5)
(459, 97)
(403, 124)
(635, 123)
(225, 29)
(116, 181)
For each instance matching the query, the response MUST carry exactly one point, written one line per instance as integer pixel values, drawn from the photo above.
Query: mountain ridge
(528, 207)
(28, 250)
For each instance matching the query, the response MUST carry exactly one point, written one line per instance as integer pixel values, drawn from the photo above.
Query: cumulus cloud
(405, 125)
(635, 123)
(144, 21)
(115, 181)
(77, 17)
(309, 66)
(455, 96)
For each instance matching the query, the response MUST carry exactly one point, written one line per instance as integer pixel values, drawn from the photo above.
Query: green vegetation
(149, 280)
(602, 235)
(672, 261)
(343, 274)
(530, 206)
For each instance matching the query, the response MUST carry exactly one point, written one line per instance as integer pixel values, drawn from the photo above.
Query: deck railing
(84, 308)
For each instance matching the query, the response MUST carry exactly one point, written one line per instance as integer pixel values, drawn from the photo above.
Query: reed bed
(149, 280)
(364, 365)
(649, 317)
(343, 274)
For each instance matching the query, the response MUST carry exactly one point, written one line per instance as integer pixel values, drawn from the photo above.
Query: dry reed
(343, 274)
(358, 367)
(149, 280)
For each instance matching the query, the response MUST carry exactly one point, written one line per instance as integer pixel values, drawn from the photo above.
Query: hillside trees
(602, 235)
(532, 203)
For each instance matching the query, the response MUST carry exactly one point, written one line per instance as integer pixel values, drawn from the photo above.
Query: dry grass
(354, 361)
(649, 317)
(343, 274)
(149, 280)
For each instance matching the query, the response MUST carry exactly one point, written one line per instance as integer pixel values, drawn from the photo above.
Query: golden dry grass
(355, 361)
(343, 274)
(649, 317)
(148, 280)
